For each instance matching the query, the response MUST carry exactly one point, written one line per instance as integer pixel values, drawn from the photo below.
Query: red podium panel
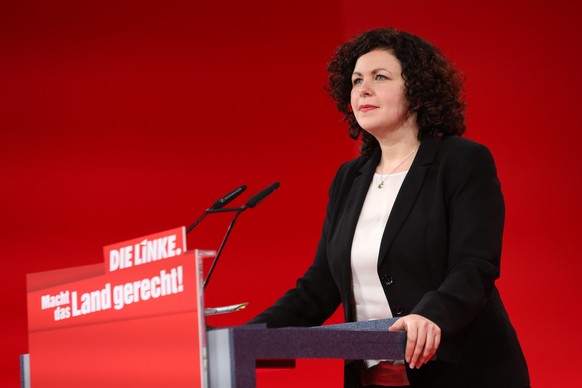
(138, 321)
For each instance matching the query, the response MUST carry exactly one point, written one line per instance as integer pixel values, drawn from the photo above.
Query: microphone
(218, 205)
(255, 199)
(251, 203)
(228, 197)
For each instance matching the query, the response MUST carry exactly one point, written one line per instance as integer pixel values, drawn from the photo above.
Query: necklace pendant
(381, 185)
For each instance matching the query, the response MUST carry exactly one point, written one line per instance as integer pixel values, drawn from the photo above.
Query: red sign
(139, 323)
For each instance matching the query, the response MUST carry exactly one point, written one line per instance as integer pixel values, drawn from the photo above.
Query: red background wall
(124, 118)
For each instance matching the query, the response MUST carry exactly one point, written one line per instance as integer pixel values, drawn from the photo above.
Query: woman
(413, 226)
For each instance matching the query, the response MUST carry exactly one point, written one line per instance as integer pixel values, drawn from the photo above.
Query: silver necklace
(383, 178)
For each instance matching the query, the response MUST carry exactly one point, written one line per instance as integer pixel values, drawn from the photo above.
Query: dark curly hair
(433, 86)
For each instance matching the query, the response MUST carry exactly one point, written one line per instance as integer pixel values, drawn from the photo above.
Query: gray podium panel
(24, 371)
(233, 352)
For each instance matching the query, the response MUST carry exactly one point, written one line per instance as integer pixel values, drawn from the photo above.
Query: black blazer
(439, 257)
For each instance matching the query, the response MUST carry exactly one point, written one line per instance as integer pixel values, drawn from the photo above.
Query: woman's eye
(356, 81)
(380, 77)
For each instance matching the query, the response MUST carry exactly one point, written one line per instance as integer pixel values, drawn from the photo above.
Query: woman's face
(377, 98)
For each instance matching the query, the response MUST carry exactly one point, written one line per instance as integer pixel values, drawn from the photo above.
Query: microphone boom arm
(239, 211)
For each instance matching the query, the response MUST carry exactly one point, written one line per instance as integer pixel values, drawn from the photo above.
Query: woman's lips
(367, 108)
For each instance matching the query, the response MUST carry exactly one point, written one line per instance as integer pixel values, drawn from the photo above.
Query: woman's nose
(363, 89)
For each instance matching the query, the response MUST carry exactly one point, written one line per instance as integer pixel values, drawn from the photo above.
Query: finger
(419, 346)
(432, 344)
(411, 335)
(428, 349)
(397, 326)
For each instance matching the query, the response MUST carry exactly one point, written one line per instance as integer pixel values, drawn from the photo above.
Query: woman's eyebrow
(373, 71)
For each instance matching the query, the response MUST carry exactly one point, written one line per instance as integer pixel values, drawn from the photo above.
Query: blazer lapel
(408, 194)
(346, 224)
(357, 196)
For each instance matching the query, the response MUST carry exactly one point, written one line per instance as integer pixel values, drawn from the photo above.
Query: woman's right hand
(423, 338)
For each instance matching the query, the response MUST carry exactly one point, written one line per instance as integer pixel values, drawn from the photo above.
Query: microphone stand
(238, 211)
(217, 208)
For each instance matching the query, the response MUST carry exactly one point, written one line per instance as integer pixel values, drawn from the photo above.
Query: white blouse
(371, 302)
(370, 299)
